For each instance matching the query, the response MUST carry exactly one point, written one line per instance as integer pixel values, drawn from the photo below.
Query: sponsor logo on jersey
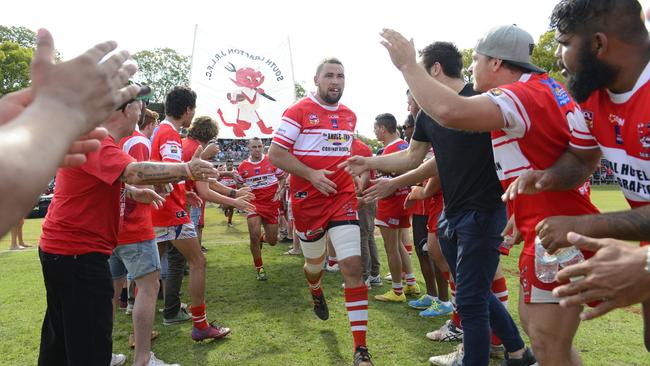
(173, 149)
(643, 128)
(336, 139)
(257, 171)
(335, 122)
(312, 233)
(617, 122)
(561, 96)
(300, 195)
(393, 221)
(181, 214)
(313, 119)
(350, 122)
(496, 91)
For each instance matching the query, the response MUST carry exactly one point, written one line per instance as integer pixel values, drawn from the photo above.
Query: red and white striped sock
(397, 288)
(410, 279)
(258, 263)
(314, 286)
(199, 318)
(500, 290)
(356, 303)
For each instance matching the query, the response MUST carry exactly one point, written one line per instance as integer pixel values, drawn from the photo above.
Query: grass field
(273, 323)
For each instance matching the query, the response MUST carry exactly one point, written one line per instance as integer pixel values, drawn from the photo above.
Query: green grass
(273, 323)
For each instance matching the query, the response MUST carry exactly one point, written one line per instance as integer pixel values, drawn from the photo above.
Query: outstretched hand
(530, 182)
(400, 50)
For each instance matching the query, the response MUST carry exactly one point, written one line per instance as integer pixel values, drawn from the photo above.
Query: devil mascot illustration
(248, 80)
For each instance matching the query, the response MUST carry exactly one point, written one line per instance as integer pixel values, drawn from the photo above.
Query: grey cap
(509, 43)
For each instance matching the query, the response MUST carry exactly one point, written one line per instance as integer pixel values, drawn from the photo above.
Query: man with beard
(531, 117)
(604, 50)
(314, 137)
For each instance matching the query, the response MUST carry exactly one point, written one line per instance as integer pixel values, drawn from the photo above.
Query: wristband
(189, 173)
(647, 261)
(232, 193)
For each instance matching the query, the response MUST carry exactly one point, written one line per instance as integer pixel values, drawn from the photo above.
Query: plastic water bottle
(569, 256)
(546, 265)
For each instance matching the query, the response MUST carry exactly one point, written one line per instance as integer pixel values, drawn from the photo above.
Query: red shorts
(644, 243)
(312, 217)
(392, 222)
(535, 291)
(434, 215)
(269, 212)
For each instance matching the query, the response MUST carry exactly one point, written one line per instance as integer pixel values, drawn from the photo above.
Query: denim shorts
(137, 259)
(195, 215)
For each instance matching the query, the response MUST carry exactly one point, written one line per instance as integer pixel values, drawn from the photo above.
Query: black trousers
(79, 317)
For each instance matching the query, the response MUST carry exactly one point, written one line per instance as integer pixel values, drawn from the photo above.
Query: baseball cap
(144, 95)
(509, 43)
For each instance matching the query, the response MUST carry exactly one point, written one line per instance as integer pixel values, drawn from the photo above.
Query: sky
(346, 29)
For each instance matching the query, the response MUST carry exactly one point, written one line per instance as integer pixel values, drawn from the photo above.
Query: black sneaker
(362, 357)
(320, 307)
(204, 249)
(527, 359)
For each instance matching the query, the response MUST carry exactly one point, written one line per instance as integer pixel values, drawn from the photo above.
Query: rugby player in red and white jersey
(266, 182)
(392, 216)
(80, 232)
(531, 117)
(229, 181)
(314, 137)
(603, 50)
(172, 223)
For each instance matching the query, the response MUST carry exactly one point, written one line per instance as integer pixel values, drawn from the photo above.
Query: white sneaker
(153, 361)
(375, 280)
(334, 268)
(117, 359)
(129, 308)
(448, 332)
(388, 277)
(453, 359)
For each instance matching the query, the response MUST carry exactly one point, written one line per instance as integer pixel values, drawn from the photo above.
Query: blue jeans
(470, 242)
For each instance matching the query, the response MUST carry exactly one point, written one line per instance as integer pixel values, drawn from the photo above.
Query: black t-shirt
(465, 163)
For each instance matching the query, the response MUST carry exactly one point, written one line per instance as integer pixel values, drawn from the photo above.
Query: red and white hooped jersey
(229, 181)
(262, 177)
(539, 116)
(166, 146)
(320, 136)
(393, 205)
(620, 125)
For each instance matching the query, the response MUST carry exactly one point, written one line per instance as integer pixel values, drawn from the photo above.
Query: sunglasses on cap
(144, 95)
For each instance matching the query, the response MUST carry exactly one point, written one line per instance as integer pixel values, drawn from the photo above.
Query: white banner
(244, 85)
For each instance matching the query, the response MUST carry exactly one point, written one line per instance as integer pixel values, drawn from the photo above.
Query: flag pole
(293, 77)
(196, 27)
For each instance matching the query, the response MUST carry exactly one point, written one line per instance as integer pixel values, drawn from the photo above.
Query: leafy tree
(300, 90)
(544, 55)
(372, 143)
(23, 36)
(14, 67)
(162, 69)
(467, 62)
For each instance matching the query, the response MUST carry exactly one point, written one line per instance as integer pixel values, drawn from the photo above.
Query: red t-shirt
(262, 177)
(136, 226)
(88, 204)
(319, 136)
(539, 116)
(189, 146)
(166, 146)
(393, 205)
(620, 125)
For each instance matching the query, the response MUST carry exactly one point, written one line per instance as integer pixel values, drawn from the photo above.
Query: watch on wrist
(232, 193)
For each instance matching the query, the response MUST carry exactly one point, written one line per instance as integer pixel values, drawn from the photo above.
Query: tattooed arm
(150, 172)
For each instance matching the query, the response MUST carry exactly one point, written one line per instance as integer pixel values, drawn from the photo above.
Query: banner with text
(244, 85)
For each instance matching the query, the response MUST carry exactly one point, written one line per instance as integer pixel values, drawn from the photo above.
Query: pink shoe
(211, 332)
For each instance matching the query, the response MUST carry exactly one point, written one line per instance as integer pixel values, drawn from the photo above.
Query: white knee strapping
(346, 240)
(313, 250)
